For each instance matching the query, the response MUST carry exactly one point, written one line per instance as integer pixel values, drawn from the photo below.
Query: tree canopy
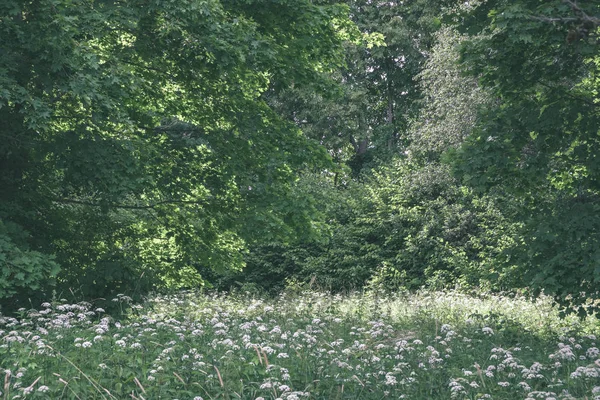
(136, 142)
(153, 144)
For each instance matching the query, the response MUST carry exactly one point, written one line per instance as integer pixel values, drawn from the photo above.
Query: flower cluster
(309, 346)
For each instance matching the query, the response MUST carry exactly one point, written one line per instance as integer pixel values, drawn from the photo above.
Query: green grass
(429, 345)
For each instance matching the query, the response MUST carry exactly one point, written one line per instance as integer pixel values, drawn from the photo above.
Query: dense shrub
(405, 226)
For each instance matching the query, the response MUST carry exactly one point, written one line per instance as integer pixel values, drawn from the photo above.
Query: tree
(135, 142)
(366, 119)
(540, 143)
(451, 101)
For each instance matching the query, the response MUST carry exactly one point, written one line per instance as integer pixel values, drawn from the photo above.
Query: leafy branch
(590, 22)
(128, 206)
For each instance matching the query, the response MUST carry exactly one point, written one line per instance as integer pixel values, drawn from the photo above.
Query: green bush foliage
(22, 271)
(413, 224)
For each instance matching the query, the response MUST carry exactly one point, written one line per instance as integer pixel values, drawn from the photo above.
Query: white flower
(390, 379)
(487, 330)
(525, 386)
(592, 352)
(43, 389)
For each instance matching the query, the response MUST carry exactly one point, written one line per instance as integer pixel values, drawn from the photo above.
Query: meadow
(301, 345)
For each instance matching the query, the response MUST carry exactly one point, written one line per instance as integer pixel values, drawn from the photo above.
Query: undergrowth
(302, 345)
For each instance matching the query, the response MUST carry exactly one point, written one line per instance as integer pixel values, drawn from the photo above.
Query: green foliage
(428, 345)
(362, 123)
(22, 271)
(450, 103)
(408, 226)
(438, 232)
(539, 142)
(136, 142)
(158, 145)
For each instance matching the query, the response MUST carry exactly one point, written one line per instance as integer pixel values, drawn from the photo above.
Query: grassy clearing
(441, 345)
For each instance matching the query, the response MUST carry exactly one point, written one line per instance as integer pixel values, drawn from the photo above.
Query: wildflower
(456, 388)
(504, 384)
(525, 386)
(487, 330)
(564, 352)
(43, 389)
(85, 345)
(390, 379)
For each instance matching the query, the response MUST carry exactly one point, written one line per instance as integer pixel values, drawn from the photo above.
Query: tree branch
(128, 206)
(581, 15)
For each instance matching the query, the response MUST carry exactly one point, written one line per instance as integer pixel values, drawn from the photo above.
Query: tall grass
(303, 345)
